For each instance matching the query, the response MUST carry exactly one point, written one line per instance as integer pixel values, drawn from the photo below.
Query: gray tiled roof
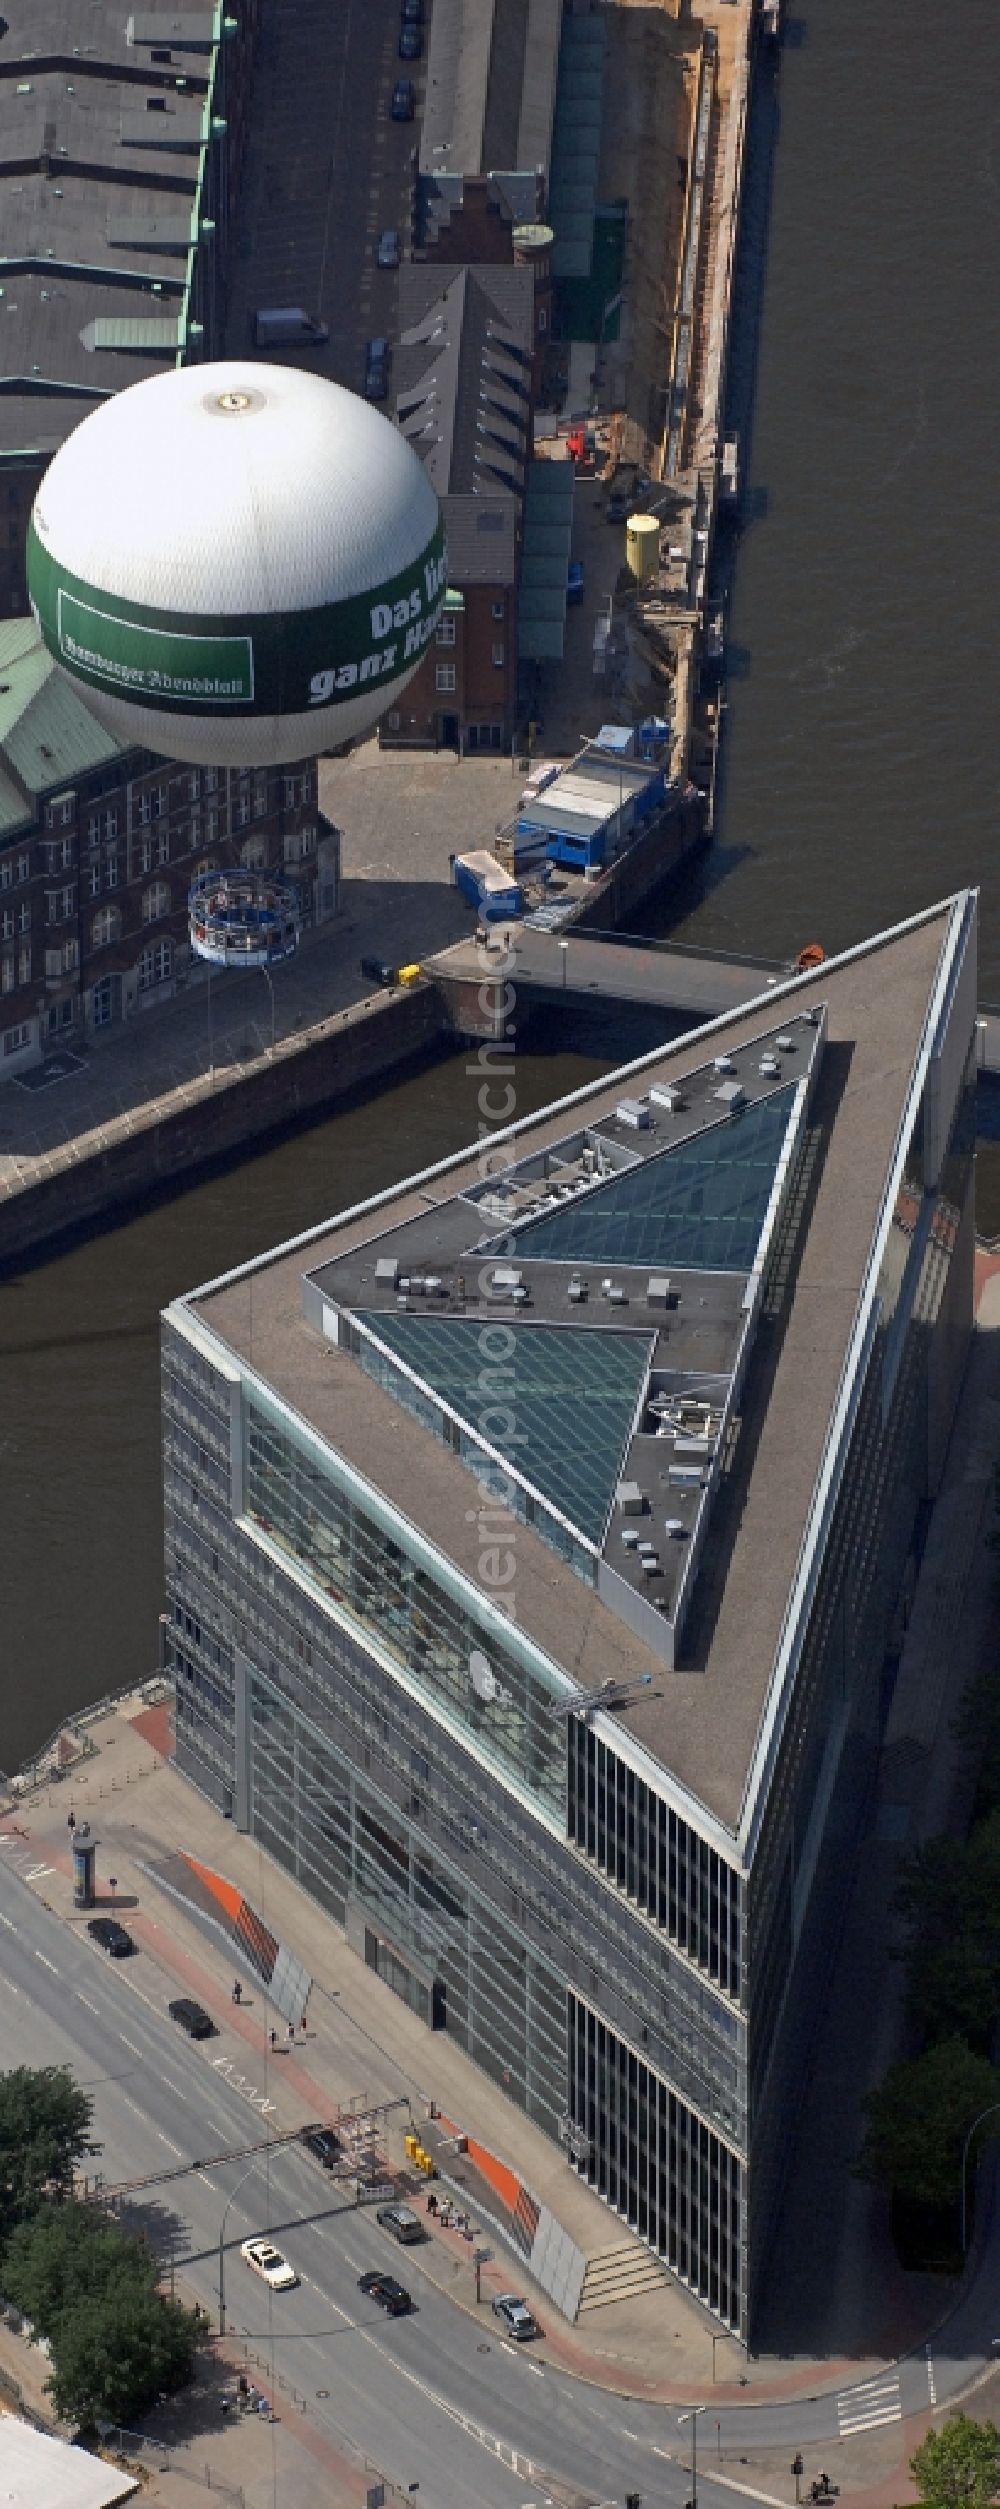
(97, 201)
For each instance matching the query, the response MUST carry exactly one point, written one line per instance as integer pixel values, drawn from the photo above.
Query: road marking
(46, 1963)
(37, 1872)
(130, 2044)
(867, 2407)
(9, 1923)
(171, 2147)
(85, 1999)
(931, 2380)
(536, 2369)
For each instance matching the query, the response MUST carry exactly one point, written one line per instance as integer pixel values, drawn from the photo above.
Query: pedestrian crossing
(865, 2408)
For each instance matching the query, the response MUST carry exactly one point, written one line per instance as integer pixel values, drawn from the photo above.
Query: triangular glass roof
(698, 1207)
(560, 1408)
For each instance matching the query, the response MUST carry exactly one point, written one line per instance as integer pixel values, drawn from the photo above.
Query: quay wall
(174, 1136)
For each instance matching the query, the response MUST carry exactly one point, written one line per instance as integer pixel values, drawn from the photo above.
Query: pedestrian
(237, 1992)
(71, 1821)
(291, 2034)
(302, 2025)
(274, 2039)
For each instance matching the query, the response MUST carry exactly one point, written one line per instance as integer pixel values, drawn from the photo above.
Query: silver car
(387, 255)
(516, 2316)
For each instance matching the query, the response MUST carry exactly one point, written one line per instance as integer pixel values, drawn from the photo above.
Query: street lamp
(564, 946)
(692, 2417)
(991, 2111)
(241, 2182)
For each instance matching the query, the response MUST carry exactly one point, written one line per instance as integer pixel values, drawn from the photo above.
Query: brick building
(464, 400)
(98, 843)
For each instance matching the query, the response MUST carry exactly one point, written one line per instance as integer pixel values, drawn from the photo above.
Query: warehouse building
(537, 1544)
(121, 157)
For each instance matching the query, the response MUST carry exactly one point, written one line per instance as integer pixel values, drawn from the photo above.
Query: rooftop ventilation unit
(768, 1065)
(731, 1096)
(667, 1094)
(723, 1063)
(658, 1290)
(629, 1499)
(674, 1528)
(577, 1290)
(387, 1272)
(635, 1113)
(786, 1043)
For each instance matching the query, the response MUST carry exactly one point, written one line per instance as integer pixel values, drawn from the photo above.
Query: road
(325, 170)
(431, 2398)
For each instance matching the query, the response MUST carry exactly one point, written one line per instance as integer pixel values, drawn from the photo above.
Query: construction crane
(608, 1694)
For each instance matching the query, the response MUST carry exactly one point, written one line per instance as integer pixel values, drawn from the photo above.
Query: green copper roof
(48, 737)
(699, 1207)
(560, 1408)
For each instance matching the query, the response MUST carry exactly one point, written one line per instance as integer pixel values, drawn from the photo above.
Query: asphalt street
(438, 2398)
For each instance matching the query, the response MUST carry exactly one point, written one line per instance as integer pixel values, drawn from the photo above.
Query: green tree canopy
(44, 2131)
(949, 1898)
(66, 2249)
(958, 2467)
(918, 2118)
(113, 2355)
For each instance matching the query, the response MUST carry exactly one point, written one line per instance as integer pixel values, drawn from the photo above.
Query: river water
(858, 783)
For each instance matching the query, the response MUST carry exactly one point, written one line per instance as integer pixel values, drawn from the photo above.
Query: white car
(268, 2262)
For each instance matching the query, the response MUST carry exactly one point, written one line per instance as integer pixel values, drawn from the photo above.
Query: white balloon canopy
(236, 564)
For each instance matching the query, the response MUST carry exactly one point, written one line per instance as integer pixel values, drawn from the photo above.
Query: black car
(111, 1936)
(324, 2143)
(404, 101)
(389, 2293)
(377, 971)
(412, 12)
(192, 2017)
(411, 43)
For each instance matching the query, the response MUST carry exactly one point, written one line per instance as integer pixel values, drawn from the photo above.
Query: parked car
(389, 2293)
(404, 101)
(403, 2222)
(111, 1936)
(516, 2316)
(412, 12)
(288, 326)
(377, 370)
(192, 2017)
(387, 255)
(324, 2143)
(574, 583)
(411, 43)
(268, 2262)
(376, 971)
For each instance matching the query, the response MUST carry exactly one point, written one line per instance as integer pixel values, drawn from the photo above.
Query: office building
(539, 1538)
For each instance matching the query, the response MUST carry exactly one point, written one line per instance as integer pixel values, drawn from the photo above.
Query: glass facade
(448, 1952)
(403, 1598)
(658, 2166)
(649, 1852)
(555, 1381)
(699, 1207)
(827, 1762)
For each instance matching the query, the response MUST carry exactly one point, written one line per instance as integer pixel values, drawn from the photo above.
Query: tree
(65, 2249)
(949, 1898)
(958, 2467)
(918, 2119)
(44, 2131)
(112, 2356)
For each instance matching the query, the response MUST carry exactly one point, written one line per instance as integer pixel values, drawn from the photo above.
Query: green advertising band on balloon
(269, 663)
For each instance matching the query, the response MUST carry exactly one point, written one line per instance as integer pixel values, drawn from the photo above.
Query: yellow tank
(642, 546)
